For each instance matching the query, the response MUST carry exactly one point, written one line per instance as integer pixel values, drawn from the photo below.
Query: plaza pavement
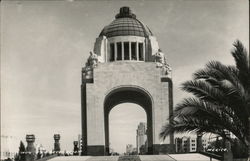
(170, 157)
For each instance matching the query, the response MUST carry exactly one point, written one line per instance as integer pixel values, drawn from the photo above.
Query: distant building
(188, 144)
(205, 143)
(141, 138)
(129, 148)
(9, 147)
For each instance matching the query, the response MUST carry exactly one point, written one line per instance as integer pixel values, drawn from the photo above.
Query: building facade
(141, 138)
(126, 66)
(9, 147)
(188, 144)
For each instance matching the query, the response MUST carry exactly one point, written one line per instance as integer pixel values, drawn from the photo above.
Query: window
(140, 51)
(133, 51)
(112, 52)
(126, 50)
(119, 51)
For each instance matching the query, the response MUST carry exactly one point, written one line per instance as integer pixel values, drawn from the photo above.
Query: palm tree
(221, 100)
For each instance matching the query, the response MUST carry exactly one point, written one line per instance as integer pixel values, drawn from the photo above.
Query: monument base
(96, 150)
(99, 150)
(163, 148)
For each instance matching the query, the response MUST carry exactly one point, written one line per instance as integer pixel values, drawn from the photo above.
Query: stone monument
(30, 149)
(57, 148)
(126, 66)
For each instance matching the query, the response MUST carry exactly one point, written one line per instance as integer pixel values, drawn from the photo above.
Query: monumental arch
(126, 65)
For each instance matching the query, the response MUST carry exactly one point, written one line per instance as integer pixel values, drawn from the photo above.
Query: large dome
(126, 24)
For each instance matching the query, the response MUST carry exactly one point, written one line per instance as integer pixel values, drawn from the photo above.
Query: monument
(126, 66)
(30, 149)
(57, 144)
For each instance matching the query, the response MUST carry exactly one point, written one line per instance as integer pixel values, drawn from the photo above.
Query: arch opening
(124, 120)
(129, 95)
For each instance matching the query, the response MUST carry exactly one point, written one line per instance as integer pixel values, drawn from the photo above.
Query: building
(141, 138)
(126, 66)
(9, 147)
(188, 144)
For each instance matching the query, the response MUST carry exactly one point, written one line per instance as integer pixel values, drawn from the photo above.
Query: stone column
(122, 50)
(130, 51)
(143, 48)
(115, 51)
(137, 51)
(57, 148)
(84, 118)
(199, 142)
(30, 149)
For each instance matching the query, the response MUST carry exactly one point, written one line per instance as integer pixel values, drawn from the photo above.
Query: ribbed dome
(126, 24)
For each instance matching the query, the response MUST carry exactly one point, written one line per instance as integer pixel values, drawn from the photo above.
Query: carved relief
(161, 62)
(91, 63)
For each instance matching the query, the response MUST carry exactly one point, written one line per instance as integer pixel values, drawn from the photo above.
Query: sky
(44, 45)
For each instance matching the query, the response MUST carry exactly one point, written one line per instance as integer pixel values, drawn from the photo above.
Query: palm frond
(242, 63)
(221, 100)
(203, 90)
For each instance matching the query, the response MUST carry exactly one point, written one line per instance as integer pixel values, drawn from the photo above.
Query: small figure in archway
(76, 149)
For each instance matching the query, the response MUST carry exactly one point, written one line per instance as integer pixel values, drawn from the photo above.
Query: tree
(220, 101)
(21, 152)
(239, 151)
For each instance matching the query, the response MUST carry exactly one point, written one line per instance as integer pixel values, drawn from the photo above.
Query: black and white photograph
(125, 80)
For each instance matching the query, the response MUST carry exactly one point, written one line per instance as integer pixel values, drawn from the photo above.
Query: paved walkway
(129, 158)
(104, 158)
(156, 158)
(170, 157)
(191, 157)
(70, 158)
